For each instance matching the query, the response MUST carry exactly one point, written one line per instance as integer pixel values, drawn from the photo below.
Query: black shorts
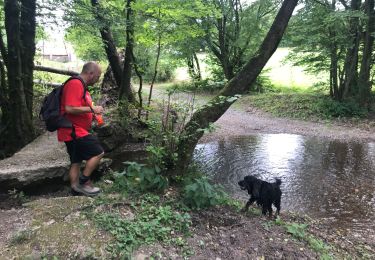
(83, 148)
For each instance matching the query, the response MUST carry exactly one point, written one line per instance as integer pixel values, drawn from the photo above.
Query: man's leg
(91, 164)
(74, 174)
(92, 152)
(85, 185)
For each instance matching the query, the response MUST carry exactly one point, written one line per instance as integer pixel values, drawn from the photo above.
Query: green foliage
(322, 38)
(234, 32)
(305, 105)
(298, 231)
(314, 31)
(348, 108)
(140, 178)
(163, 143)
(87, 44)
(200, 193)
(152, 223)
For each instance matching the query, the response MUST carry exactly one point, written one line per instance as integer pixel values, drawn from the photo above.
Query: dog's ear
(256, 188)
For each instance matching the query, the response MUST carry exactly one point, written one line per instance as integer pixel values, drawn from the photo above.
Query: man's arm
(82, 110)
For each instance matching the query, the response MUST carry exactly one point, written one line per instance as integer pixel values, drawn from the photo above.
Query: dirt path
(251, 121)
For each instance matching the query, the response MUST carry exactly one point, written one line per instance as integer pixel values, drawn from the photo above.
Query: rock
(43, 161)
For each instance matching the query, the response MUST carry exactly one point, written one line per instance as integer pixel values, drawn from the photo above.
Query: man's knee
(98, 157)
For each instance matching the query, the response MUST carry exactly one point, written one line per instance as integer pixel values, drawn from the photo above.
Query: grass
(153, 222)
(284, 74)
(299, 231)
(304, 105)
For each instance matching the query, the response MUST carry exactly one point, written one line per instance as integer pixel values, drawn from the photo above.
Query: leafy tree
(201, 119)
(87, 44)
(234, 29)
(337, 37)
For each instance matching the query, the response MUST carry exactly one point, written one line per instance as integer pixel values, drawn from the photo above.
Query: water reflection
(323, 178)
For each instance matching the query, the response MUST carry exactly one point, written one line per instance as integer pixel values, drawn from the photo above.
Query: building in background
(55, 50)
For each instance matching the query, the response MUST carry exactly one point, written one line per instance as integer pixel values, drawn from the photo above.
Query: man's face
(95, 76)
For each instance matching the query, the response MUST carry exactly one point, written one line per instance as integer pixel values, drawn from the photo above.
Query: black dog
(263, 193)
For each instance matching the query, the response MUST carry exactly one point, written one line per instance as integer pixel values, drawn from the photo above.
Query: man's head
(91, 73)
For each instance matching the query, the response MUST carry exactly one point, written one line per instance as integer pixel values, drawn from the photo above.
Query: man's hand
(98, 109)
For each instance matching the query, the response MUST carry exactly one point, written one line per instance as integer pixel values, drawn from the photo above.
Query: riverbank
(100, 228)
(247, 120)
(60, 225)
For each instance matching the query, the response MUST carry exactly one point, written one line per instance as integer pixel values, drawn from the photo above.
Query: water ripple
(323, 178)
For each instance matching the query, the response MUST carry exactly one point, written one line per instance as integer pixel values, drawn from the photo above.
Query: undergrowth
(157, 217)
(304, 105)
(153, 222)
(299, 232)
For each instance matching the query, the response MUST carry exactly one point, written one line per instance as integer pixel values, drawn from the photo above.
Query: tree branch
(56, 71)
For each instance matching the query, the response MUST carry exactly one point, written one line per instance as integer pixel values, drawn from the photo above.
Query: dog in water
(263, 193)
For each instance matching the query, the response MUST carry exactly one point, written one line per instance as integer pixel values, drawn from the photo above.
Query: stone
(44, 160)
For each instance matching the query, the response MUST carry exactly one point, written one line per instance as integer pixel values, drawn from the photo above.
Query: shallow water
(322, 178)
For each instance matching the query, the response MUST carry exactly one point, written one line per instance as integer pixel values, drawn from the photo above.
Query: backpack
(50, 110)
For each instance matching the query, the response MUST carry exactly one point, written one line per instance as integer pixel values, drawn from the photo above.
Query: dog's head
(251, 184)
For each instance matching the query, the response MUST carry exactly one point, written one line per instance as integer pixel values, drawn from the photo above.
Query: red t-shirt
(72, 95)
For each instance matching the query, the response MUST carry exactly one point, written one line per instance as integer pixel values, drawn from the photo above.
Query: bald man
(80, 144)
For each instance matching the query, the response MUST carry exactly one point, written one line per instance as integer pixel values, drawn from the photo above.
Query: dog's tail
(278, 181)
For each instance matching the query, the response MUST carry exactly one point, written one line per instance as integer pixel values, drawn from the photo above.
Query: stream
(324, 178)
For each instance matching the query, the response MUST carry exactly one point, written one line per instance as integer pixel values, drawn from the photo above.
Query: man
(80, 144)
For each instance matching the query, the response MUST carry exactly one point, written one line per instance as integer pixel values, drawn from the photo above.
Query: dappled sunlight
(282, 73)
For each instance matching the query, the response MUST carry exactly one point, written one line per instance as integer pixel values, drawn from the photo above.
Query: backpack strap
(82, 81)
(84, 92)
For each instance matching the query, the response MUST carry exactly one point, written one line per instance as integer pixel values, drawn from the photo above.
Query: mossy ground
(58, 229)
(64, 228)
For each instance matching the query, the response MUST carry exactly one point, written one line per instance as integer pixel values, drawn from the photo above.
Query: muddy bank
(250, 121)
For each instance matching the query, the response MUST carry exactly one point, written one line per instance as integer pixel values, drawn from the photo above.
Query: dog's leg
(264, 210)
(277, 205)
(270, 210)
(251, 201)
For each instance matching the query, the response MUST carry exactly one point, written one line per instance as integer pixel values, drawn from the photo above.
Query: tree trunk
(139, 74)
(155, 73)
(125, 87)
(4, 100)
(109, 44)
(351, 60)
(20, 130)
(27, 33)
(193, 66)
(198, 67)
(217, 107)
(333, 70)
(364, 82)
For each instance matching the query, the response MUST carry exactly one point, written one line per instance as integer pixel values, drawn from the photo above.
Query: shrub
(348, 108)
(152, 223)
(200, 193)
(140, 178)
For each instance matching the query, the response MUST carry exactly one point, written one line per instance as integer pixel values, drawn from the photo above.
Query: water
(323, 178)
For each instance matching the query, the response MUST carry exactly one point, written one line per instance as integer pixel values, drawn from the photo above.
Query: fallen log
(56, 71)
